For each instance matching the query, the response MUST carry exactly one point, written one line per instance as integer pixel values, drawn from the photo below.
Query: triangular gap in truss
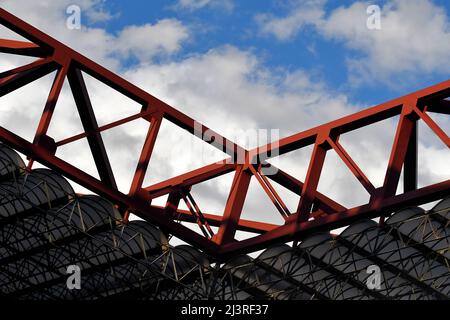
(65, 121)
(215, 229)
(211, 196)
(109, 105)
(401, 180)
(134, 217)
(6, 33)
(434, 157)
(244, 235)
(10, 61)
(341, 229)
(177, 152)
(339, 184)
(254, 254)
(182, 205)
(295, 163)
(160, 201)
(79, 155)
(442, 120)
(259, 207)
(289, 198)
(123, 146)
(21, 109)
(370, 148)
(430, 205)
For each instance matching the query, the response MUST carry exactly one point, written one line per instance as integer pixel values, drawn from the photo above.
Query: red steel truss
(315, 210)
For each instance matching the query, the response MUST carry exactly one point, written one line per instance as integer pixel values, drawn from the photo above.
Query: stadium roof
(45, 227)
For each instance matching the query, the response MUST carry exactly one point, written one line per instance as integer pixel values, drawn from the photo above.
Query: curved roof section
(45, 227)
(10, 161)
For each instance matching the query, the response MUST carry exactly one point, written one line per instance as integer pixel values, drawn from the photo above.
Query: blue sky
(217, 25)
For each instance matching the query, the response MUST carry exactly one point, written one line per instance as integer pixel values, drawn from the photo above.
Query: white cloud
(95, 10)
(144, 42)
(193, 5)
(231, 83)
(414, 38)
(303, 13)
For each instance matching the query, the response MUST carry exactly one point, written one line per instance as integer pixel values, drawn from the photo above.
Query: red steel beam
(434, 127)
(172, 203)
(21, 48)
(410, 167)
(271, 192)
(233, 208)
(291, 183)
(49, 108)
(19, 77)
(108, 126)
(291, 231)
(191, 178)
(89, 123)
(399, 149)
(144, 159)
(309, 189)
(351, 164)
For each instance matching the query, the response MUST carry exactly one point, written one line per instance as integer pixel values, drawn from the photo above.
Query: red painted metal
(233, 208)
(315, 210)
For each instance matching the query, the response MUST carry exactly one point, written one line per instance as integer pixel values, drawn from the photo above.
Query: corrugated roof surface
(45, 227)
